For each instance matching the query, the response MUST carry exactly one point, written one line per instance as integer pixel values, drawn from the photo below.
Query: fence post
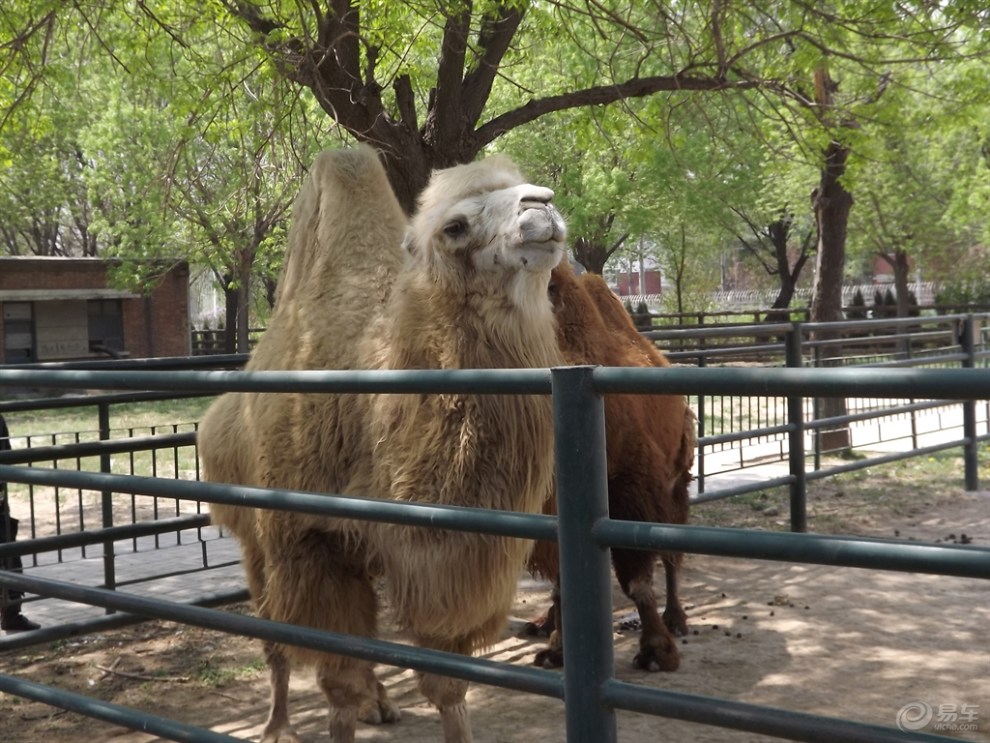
(586, 576)
(795, 444)
(701, 412)
(816, 412)
(971, 464)
(106, 501)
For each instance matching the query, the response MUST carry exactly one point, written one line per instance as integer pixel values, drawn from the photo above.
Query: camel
(463, 287)
(650, 443)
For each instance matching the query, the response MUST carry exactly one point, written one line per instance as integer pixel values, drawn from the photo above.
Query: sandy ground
(840, 642)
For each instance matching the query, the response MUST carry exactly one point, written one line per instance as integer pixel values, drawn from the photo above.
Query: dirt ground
(853, 643)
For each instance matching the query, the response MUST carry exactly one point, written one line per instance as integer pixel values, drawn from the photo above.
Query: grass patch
(216, 672)
(60, 425)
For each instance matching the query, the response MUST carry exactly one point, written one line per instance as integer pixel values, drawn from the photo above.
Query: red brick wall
(158, 324)
(154, 325)
(651, 283)
(52, 273)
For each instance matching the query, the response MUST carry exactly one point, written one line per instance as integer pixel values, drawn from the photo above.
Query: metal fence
(748, 435)
(583, 528)
(735, 432)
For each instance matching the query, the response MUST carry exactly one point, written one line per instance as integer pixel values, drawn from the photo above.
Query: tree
(435, 84)
(160, 172)
(925, 163)
(44, 208)
(771, 245)
(417, 81)
(233, 186)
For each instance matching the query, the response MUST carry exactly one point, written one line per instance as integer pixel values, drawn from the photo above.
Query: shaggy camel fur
(650, 442)
(467, 289)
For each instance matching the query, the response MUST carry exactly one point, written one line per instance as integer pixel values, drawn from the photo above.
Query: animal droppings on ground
(629, 625)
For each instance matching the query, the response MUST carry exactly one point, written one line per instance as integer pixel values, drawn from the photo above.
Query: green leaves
(165, 128)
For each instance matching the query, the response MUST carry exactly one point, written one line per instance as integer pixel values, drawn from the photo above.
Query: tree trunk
(245, 264)
(902, 300)
(681, 270)
(591, 254)
(901, 291)
(409, 166)
(230, 315)
(832, 204)
(780, 233)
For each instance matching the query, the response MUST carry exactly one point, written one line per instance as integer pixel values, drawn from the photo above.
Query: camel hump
(346, 224)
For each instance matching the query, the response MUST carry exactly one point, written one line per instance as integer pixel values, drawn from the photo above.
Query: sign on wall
(62, 329)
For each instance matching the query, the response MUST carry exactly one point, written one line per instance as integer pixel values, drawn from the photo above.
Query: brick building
(55, 309)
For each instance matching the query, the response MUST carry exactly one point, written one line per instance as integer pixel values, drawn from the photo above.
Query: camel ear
(408, 243)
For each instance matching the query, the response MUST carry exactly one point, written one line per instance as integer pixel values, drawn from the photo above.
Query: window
(106, 326)
(18, 333)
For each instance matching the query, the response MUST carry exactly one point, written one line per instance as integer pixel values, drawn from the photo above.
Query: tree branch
(603, 94)
(405, 101)
(617, 244)
(445, 113)
(496, 34)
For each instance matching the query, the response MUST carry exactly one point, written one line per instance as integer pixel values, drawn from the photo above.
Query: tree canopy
(154, 123)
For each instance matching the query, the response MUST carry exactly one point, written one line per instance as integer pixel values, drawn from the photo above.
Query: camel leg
(277, 728)
(377, 708)
(657, 649)
(318, 579)
(552, 656)
(352, 692)
(674, 616)
(448, 694)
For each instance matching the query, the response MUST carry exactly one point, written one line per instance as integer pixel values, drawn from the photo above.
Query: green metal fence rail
(587, 685)
(961, 341)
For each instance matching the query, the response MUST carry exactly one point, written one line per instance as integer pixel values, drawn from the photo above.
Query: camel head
(482, 222)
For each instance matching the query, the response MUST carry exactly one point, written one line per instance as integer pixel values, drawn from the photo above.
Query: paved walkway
(173, 571)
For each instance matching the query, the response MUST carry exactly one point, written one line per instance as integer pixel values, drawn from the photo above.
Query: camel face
(500, 226)
(526, 231)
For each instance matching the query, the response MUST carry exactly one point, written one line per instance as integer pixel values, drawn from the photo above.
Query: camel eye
(455, 228)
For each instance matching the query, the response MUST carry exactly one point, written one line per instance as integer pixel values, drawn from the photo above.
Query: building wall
(59, 291)
(61, 329)
(628, 284)
(158, 324)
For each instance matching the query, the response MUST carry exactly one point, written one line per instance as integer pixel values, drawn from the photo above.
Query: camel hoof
(549, 658)
(280, 735)
(653, 660)
(676, 621)
(539, 627)
(379, 712)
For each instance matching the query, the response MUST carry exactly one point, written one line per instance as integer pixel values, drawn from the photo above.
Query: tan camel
(466, 289)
